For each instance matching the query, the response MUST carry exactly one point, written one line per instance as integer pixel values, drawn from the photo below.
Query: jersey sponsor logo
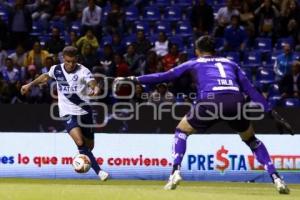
(67, 89)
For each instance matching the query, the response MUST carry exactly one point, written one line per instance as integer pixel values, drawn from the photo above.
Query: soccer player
(222, 83)
(75, 84)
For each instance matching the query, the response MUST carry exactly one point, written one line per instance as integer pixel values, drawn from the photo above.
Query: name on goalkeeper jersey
(223, 161)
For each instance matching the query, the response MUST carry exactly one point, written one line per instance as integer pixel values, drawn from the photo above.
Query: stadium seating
(37, 28)
(173, 13)
(219, 43)
(282, 41)
(263, 44)
(151, 13)
(163, 26)
(105, 12)
(132, 14)
(184, 29)
(162, 3)
(76, 26)
(274, 101)
(106, 40)
(142, 25)
(264, 77)
(291, 102)
(184, 3)
(234, 56)
(177, 40)
(252, 59)
(129, 40)
(274, 90)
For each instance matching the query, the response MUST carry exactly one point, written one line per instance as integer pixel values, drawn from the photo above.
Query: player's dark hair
(206, 44)
(70, 51)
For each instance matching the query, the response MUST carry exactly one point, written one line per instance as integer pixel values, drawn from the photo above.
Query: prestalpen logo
(223, 161)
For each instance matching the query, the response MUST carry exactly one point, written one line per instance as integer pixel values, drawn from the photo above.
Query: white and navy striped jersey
(72, 89)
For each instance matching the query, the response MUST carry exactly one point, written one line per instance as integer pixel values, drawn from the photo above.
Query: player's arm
(249, 90)
(160, 77)
(43, 78)
(255, 96)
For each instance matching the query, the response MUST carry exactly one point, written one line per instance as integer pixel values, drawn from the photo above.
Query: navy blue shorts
(81, 121)
(229, 108)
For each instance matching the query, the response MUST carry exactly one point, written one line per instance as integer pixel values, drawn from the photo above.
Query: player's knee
(79, 142)
(185, 127)
(91, 146)
(252, 142)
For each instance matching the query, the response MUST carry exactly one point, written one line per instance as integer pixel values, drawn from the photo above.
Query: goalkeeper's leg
(261, 154)
(178, 151)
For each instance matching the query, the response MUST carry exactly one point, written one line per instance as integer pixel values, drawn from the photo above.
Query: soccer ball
(81, 163)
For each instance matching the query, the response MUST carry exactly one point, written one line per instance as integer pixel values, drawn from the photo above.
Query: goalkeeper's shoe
(281, 187)
(173, 181)
(103, 175)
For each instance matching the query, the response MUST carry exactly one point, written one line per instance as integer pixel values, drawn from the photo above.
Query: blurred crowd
(136, 37)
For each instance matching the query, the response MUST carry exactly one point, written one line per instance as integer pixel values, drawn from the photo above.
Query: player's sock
(178, 149)
(84, 150)
(262, 155)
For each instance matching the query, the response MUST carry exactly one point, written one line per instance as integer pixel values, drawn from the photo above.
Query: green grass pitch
(30, 189)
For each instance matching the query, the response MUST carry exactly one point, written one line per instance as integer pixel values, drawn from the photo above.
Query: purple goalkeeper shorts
(226, 107)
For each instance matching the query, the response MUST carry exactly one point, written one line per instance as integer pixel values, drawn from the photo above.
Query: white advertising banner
(141, 156)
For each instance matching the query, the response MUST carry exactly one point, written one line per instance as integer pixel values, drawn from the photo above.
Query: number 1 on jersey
(221, 70)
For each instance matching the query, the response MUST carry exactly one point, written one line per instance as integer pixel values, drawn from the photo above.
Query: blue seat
(178, 41)
(162, 3)
(274, 101)
(184, 29)
(43, 39)
(4, 14)
(173, 13)
(297, 55)
(37, 28)
(142, 25)
(151, 13)
(282, 41)
(105, 11)
(190, 53)
(233, 56)
(265, 76)
(129, 40)
(184, 3)
(274, 90)
(219, 43)
(263, 44)
(252, 59)
(76, 26)
(58, 24)
(271, 57)
(163, 26)
(291, 102)
(152, 38)
(106, 40)
(132, 13)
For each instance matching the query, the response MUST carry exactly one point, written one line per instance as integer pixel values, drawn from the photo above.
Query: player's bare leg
(261, 154)
(85, 146)
(183, 130)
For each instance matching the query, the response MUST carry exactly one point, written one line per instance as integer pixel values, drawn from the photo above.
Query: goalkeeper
(221, 84)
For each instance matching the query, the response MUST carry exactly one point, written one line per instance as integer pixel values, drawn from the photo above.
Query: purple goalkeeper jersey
(211, 75)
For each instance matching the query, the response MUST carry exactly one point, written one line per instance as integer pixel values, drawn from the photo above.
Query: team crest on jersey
(58, 71)
(75, 77)
(60, 78)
